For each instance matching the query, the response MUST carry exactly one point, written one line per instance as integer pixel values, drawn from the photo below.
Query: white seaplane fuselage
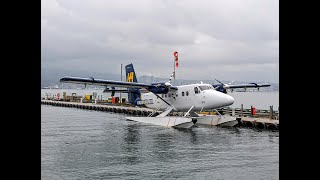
(201, 96)
(188, 98)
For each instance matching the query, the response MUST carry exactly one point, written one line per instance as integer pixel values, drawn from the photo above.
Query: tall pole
(174, 71)
(121, 80)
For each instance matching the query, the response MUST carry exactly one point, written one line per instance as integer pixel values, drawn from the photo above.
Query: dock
(103, 107)
(262, 119)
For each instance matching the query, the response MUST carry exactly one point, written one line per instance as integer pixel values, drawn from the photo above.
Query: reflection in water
(237, 130)
(273, 138)
(193, 137)
(131, 143)
(189, 132)
(163, 145)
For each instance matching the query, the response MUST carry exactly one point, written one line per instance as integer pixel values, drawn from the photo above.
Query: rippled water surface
(84, 144)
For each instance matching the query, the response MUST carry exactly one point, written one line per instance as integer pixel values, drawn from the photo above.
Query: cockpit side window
(196, 90)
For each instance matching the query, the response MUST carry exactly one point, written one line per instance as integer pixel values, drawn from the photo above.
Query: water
(260, 100)
(84, 144)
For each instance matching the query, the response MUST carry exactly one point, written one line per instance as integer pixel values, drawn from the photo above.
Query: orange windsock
(175, 54)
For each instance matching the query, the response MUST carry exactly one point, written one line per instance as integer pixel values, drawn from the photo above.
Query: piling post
(271, 112)
(241, 113)
(120, 80)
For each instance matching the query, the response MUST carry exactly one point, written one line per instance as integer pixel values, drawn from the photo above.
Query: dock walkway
(259, 122)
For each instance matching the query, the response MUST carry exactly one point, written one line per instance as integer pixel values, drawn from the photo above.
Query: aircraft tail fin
(134, 94)
(130, 73)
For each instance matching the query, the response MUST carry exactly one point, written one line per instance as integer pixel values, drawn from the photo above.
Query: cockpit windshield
(204, 87)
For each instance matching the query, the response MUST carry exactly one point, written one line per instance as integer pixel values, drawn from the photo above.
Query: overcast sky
(225, 39)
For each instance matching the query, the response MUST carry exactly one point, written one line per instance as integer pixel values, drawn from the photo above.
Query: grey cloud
(231, 38)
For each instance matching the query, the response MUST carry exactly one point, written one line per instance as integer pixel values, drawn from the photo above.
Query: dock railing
(241, 112)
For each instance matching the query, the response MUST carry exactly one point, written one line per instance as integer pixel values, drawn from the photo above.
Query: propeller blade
(113, 92)
(219, 81)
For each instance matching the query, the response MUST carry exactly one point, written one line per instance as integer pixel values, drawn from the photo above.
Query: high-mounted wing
(101, 82)
(223, 87)
(158, 88)
(249, 85)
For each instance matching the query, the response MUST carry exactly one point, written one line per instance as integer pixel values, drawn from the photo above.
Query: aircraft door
(200, 94)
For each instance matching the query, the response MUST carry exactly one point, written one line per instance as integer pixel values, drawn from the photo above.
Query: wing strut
(189, 111)
(165, 101)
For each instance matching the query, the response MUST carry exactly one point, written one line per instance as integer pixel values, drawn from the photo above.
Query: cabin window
(162, 95)
(196, 90)
(187, 93)
(169, 95)
(165, 95)
(177, 95)
(182, 93)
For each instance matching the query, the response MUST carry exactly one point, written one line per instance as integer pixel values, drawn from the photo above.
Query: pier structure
(261, 119)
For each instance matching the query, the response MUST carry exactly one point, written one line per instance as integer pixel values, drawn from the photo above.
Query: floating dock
(103, 107)
(263, 119)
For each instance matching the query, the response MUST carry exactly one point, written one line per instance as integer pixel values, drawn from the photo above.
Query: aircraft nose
(221, 99)
(229, 100)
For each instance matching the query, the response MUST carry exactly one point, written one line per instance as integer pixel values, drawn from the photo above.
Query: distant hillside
(50, 77)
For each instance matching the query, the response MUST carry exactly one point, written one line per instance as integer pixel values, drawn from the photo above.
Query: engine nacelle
(220, 88)
(159, 90)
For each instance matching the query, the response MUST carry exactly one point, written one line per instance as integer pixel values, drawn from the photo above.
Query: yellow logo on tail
(130, 77)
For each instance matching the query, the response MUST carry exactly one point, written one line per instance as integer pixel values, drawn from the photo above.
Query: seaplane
(163, 96)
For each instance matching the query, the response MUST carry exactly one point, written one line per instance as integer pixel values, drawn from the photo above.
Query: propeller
(106, 89)
(112, 92)
(222, 87)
